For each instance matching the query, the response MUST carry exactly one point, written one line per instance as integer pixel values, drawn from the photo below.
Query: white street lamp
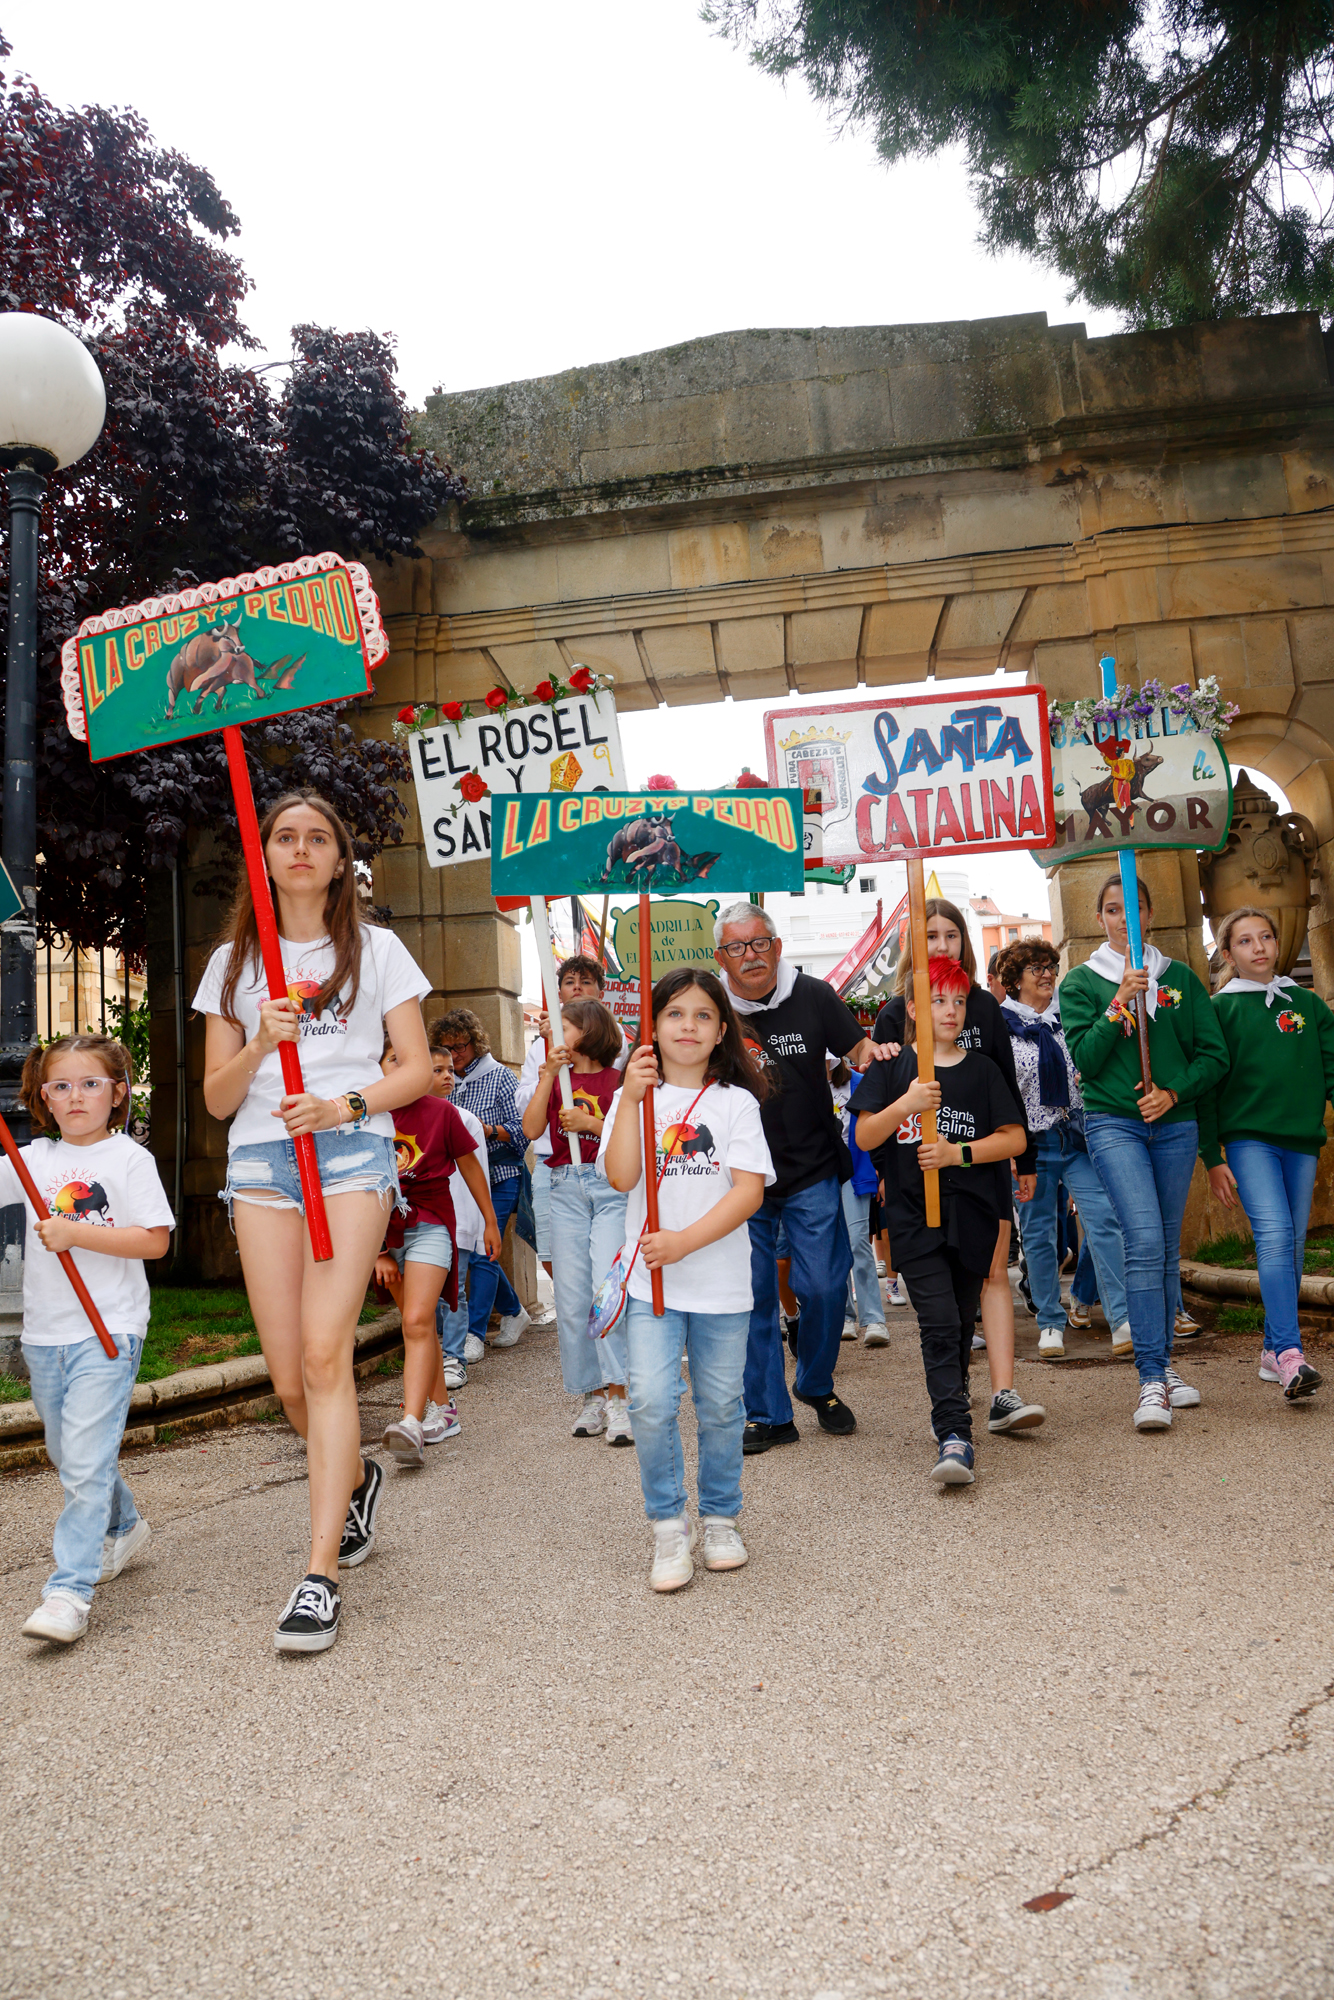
(52, 408)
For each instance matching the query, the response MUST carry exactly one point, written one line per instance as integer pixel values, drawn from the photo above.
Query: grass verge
(1234, 1252)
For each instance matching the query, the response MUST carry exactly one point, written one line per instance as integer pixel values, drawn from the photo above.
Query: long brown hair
(936, 906)
(112, 1055)
(599, 1036)
(731, 1061)
(343, 917)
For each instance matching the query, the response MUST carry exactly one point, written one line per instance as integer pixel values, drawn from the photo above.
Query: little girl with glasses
(108, 1210)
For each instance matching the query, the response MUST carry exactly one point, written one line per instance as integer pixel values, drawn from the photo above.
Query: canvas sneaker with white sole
(510, 1328)
(1009, 1412)
(876, 1335)
(310, 1622)
(673, 1564)
(1181, 1395)
(592, 1418)
(723, 1546)
(60, 1616)
(1153, 1412)
(117, 1550)
(359, 1527)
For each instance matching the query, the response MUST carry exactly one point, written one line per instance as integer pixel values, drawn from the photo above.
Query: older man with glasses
(789, 1021)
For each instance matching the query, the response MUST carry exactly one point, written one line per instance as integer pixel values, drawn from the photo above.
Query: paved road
(1106, 1667)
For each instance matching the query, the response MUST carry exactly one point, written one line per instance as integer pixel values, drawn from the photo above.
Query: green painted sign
(594, 843)
(243, 650)
(10, 900)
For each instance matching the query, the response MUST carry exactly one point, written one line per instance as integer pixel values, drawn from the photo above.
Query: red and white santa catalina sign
(921, 773)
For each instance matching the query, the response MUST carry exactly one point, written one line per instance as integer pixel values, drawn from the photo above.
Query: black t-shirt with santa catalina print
(789, 1042)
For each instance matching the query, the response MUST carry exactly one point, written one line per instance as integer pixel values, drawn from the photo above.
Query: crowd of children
(1038, 1093)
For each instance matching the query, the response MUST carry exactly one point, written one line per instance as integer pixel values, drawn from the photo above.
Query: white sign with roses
(464, 757)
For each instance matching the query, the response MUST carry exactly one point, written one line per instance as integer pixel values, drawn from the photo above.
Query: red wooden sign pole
(71, 1269)
(650, 1134)
(271, 949)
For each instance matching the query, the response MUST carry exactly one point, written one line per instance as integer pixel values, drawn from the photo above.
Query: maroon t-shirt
(429, 1136)
(593, 1092)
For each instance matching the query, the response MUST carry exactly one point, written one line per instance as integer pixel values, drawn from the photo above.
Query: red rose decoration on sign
(497, 697)
(659, 782)
(749, 781)
(472, 787)
(407, 715)
(582, 681)
(453, 711)
(544, 691)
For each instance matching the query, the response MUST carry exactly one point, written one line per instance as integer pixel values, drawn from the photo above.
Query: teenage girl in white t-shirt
(712, 1165)
(349, 985)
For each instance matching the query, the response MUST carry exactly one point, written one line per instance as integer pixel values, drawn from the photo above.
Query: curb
(1216, 1283)
(195, 1399)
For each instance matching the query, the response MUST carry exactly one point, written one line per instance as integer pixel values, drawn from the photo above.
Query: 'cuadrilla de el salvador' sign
(921, 773)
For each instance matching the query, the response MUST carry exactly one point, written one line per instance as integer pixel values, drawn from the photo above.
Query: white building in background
(819, 927)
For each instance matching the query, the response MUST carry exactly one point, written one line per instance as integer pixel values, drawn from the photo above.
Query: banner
(1160, 783)
(242, 650)
(462, 769)
(604, 841)
(921, 773)
(680, 933)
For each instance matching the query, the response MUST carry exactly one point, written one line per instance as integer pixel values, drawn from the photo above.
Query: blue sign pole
(1130, 897)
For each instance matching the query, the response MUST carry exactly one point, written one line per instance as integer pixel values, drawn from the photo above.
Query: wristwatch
(357, 1108)
(965, 1155)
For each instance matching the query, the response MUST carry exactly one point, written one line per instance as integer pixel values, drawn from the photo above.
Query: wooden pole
(926, 1043)
(650, 1130)
(602, 934)
(272, 953)
(1130, 897)
(68, 1264)
(547, 960)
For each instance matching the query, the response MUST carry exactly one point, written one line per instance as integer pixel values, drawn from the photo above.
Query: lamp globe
(52, 399)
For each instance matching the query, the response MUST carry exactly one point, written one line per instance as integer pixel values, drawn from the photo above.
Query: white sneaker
(1153, 1412)
(592, 1418)
(877, 1334)
(510, 1328)
(404, 1438)
(440, 1422)
(880, 1267)
(673, 1565)
(1123, 1341)
(473, 1350)
(1051, 1346)
(723, 1546)
(896, 1295)
(117, 1550)
(60, 1616)
(849, 1329)
(1180, 1394)
(618, 1420)
(979, 1343)
(456, 1375)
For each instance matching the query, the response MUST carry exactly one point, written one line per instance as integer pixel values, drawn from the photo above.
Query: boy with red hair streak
(981, 1129)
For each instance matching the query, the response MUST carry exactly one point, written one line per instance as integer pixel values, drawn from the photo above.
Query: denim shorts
(265, 1174)
(428, 1243)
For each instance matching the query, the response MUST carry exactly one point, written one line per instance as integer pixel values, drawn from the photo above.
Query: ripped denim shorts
(265, 1174)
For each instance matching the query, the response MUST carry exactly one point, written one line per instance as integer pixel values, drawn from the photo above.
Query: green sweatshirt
(1280, 1072)
(1187, 1053)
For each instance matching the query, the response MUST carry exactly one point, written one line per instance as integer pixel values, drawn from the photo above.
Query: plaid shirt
(486, 1088)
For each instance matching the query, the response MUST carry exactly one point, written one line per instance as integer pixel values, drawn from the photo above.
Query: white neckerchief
(787, 979)
(1051, 1014)
(1272, 992)
(1109, 964)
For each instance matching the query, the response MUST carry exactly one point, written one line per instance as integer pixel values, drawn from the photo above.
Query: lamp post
(52, 407)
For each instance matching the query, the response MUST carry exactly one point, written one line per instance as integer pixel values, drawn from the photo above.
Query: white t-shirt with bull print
(114, 1185)
(339, 1050)
(697, 1160)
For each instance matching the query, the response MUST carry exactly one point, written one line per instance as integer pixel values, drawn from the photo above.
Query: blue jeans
(715, 1345)
(542, 1208)
(587, 1229)
(1146, 1170)
(452, 1327)
(1084, 1285)
(1060, 1160)
(821, 1256)
(864, 1285)
(1276, 1186)
(82, 1398)
(490, 1287)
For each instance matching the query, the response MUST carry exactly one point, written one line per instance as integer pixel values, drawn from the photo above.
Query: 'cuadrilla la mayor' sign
(1159, 783)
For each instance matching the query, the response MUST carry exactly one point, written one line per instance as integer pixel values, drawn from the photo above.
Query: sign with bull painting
(595, 843)
(914, 774)
(1138, 782)
(241, 650)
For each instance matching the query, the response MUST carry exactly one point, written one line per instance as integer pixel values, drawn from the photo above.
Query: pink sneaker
(1296, 1375)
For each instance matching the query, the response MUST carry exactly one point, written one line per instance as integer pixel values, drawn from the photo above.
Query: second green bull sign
(590, 843)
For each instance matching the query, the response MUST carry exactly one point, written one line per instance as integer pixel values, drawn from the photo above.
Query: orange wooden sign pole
(926, 1041)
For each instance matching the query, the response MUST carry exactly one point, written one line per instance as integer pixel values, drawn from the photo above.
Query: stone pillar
(1320, 930)
(1173, 881)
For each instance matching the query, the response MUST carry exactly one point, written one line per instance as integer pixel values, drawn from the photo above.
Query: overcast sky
(514, 192)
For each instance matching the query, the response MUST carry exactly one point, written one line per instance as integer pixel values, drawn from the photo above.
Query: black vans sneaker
(310, 1622)
(359, 1527)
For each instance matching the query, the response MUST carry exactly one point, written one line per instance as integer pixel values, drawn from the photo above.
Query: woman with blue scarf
(1049, 1087)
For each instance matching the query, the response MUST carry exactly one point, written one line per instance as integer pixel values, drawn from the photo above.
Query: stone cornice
(1008, 569)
